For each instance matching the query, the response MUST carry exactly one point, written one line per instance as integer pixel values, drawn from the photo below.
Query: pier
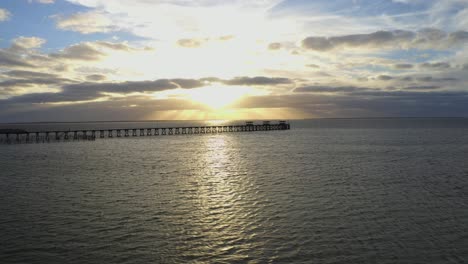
(12, 136)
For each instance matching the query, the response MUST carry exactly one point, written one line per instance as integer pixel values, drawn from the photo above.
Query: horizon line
(233, 120)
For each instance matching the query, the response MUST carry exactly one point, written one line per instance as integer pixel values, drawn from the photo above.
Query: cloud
(96, 77)
(85, 23)
(459, 36)
(91, 51)
(328, 89)
(189, 43)
(188, 83)
(432, 79)
(17, 80)
(30, 82)
(23, 43)
(10, 60)
(122, 46)
(384, 77)
(435, 66)
(85, 91)
(423, 87)
(317, 43)
(4, 14)
(28, 74)
(258, 80)
(368, 103)
(274, 46)
(90, 91)
(82, 51)
(403, 66)
(397, 39)
(124, 87)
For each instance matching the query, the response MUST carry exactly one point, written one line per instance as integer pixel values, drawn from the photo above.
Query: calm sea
(326, 191)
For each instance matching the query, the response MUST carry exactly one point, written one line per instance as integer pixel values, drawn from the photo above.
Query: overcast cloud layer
(77, 60)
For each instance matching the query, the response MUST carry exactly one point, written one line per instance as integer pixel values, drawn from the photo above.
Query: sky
(88, 60)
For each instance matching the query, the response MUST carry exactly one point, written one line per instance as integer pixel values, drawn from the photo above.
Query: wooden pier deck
(12, 136)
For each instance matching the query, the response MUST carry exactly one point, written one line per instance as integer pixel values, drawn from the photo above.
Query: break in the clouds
(98, 59)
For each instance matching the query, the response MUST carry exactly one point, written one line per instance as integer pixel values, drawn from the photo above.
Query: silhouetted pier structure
(21, 136)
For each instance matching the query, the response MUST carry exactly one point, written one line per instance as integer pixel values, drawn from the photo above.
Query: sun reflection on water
(224, 198)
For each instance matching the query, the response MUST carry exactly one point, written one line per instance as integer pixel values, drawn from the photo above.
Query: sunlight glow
(218, 97)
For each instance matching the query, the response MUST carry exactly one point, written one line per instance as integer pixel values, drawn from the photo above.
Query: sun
(218, 97)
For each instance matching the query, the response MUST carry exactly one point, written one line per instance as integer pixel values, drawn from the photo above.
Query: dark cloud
(113, 109)
(28, 74)
(432, 79)
(31, 82)
(426, 38)
(72, 95)
(368, 103)
(82, 51)
(19, 79)
(86, 91)
(423, 87)
(188, 83)
(258, 80)
(431, 34)
(96, 77)
(403, 66)
(458, 36)
(9, 60)
(384, 77)
(435, 66)
(376, 39)
(363, 91)
(328, 89)
(124, 87)
(90, 91)
(317, 43)
(315, 66)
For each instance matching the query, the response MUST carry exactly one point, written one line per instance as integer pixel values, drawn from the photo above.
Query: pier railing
(19, 136)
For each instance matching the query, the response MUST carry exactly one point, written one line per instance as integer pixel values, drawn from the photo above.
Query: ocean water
(326, 191)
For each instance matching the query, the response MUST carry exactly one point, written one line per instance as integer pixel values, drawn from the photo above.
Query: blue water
(326, 191)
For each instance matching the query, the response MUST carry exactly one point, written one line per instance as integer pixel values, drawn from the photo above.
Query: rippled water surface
(336, 191)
